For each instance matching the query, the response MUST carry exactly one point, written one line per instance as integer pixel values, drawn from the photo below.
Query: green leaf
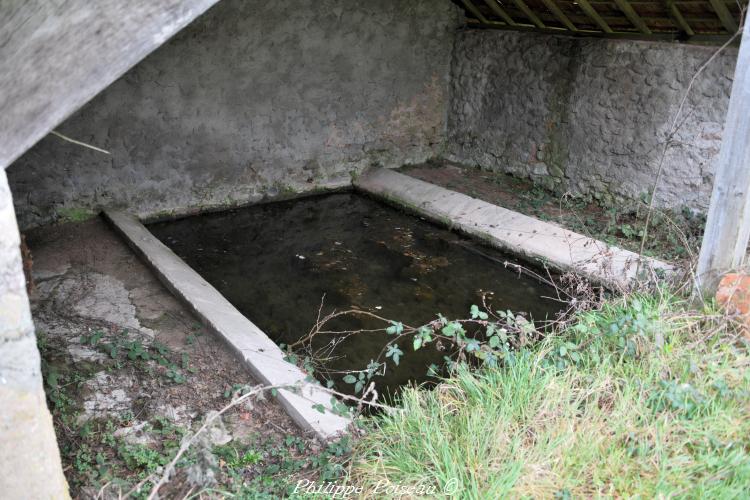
(320, 408)
(426, 333)
(474, 311)
(449, 330)
(394, 353)
(395, 329)
(417, 342)
(495, 342)
(53, 379)
(350, 379)
(452, 329)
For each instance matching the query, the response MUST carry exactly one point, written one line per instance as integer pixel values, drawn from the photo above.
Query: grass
(644, 397)
(674, 235)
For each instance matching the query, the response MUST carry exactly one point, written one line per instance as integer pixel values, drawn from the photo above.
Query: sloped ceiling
(58, 54)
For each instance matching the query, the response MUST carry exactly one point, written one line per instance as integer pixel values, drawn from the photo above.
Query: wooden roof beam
(474, 11)
(529, 14)
(633, 16)
(725, 16)
(499, 11)
(559, 14)
(676, 15)
(589, 10)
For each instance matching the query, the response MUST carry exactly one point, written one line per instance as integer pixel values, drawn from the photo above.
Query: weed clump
(643, 396)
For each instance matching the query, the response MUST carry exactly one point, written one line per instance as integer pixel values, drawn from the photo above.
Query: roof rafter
(589, 10)
(693, 21)
(559, 14)
(529, 14)
(492, 4)
(675, 13)
(724, 15)
(633, 16)
(474, 11)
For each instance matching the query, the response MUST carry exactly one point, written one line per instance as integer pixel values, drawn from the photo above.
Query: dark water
(275, 262)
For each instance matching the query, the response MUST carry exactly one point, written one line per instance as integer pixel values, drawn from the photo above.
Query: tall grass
(655, 402)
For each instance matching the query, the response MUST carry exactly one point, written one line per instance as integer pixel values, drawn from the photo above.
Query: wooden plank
(589, 10)
(492, 4)
(559, 14)
(633, 16)
(474, 11)
(529, 14)
(724, 15)
(678, 18)
(57, 55)
(727, 231)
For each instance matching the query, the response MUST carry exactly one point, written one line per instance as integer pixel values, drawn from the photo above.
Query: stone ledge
(260, 354)
(511, 231)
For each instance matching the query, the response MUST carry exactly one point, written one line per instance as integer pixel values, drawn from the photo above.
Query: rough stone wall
(30, 461)
(256, 98)
(590, 116)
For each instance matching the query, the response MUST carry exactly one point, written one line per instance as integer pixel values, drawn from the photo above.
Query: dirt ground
(672, 235)
(129, 371)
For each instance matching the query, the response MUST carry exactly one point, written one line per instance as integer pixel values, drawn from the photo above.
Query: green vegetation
(673, 235)
(641, 397)
(270, 469)
(75, 214)
(99, 457)
(92, 453)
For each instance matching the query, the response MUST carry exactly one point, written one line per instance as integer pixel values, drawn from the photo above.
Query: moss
(555, 171)
(73, 214)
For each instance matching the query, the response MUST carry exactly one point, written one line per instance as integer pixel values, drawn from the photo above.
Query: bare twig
(79, 143)
(255, 391)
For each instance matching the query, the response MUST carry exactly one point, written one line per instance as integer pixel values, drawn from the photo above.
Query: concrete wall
(30, 460)
(255, 98)
(589, 116)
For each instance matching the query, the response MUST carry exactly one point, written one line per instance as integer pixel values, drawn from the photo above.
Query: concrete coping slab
(514, 232)
(260, 354)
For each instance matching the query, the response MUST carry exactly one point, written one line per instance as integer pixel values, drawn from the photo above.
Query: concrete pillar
(29, 457)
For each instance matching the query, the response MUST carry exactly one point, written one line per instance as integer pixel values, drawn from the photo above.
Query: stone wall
(256, 98)
(590, 116)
